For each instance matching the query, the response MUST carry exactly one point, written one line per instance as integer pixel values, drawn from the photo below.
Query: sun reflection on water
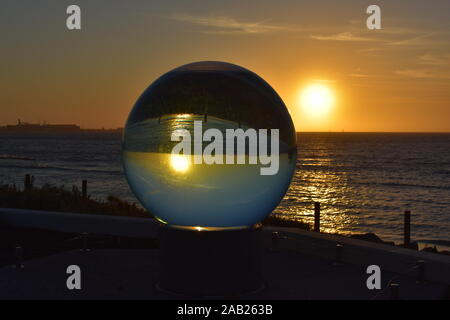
(324, 186)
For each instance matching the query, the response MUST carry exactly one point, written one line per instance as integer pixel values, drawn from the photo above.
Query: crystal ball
(209, 145)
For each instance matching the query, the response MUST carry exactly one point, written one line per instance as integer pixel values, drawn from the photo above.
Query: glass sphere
(183, 189)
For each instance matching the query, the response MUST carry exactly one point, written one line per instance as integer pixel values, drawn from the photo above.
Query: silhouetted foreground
(58, 199)
(52, 198)
(297, 264)
(289, 274)
(41, 242)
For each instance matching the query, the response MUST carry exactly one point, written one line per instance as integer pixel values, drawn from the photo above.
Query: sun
(180, 163)
(316, 99)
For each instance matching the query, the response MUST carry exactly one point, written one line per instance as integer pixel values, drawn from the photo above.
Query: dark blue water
(364, 181)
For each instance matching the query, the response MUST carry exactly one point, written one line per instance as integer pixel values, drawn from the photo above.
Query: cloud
(228, 25)
(343, 36)
(419, 40)
(361, 75)
(389, 27)
(435, 60)
(420, 74)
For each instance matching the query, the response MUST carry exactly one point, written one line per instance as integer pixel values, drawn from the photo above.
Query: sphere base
(224, 263)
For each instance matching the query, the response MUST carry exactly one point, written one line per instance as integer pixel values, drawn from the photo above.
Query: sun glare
(316, 99)
(180, 163)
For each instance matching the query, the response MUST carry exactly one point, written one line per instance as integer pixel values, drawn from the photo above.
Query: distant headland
(25, 128)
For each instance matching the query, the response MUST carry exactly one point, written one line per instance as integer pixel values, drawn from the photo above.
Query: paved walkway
(133, 274)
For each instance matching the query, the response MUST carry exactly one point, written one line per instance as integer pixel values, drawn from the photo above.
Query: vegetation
(51, 198)
(276, 221)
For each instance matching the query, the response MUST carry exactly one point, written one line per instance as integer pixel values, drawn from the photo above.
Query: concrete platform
(133, 274)
(362, 253)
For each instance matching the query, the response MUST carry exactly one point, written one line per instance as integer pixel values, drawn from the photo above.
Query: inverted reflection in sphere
(181, 192)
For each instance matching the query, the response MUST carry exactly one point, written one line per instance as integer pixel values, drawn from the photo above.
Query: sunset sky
(394, 79)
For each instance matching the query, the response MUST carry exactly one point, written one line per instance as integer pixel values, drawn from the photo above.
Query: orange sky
(394, 79)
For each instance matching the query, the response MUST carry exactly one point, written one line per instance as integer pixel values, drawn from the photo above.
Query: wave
(14, 157)
(399, 184)
(445, 172)
(60, 168)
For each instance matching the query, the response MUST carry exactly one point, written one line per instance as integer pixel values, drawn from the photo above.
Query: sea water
(364, 181)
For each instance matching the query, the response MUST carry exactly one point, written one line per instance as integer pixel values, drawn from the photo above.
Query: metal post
(18, 255)
(275, 237)
(339, 248)
(317, 216)
(84, 238)
(27, 182)
(421, 271)
(407, 229)
(395, 291)
(84, 188)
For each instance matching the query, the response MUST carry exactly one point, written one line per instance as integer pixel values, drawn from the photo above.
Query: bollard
(407, 229)
(18, 255)
(420, 271)
(395, 291)
(275, 237)
(339, 248)
(317, 216)
(84, 238)
(84, 188)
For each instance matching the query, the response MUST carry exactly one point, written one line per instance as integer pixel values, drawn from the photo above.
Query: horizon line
(372, 131)
(307, 131)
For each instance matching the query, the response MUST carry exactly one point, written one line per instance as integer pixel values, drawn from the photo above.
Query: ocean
(364, 181)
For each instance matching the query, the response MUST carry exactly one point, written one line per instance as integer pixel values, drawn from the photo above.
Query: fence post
(407, 229)
(84, 188)
(27, 182)
(317, 216)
